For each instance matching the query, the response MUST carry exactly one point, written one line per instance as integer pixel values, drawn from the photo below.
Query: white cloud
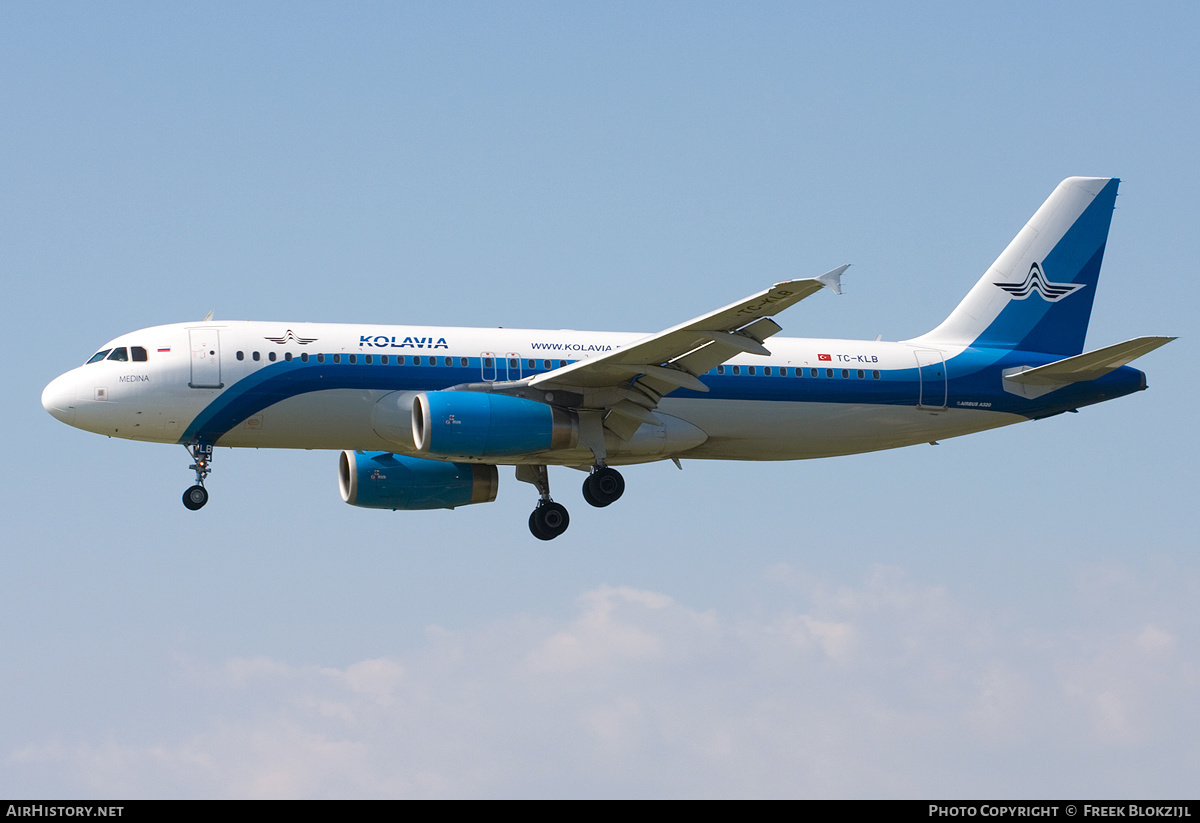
(376, 679)
(604, 633)
(887, 688)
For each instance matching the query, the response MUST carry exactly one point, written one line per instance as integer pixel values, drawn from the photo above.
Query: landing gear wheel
(549, 520)
(603, 487)
(195, 497)
(201, 452)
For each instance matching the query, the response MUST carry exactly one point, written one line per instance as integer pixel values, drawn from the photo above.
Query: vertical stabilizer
(1038, 294)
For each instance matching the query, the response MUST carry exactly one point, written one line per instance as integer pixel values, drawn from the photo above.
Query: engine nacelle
(479, 424)
(382, 480)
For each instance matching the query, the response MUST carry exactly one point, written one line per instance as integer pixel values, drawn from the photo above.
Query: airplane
(423, 415)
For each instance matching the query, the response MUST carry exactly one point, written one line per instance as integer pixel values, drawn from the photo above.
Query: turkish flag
(824, 357)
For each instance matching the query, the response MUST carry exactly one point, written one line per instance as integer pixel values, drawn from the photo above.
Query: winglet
(832, 279)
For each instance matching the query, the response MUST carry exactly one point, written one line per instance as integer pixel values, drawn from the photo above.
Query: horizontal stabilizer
(1032, 383)
(1090, 365)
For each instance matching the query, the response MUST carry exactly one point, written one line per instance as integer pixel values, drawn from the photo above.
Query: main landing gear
(601, 488)
(549, 519)
(196, 496)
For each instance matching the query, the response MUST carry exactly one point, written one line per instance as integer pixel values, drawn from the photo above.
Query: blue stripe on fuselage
(975, 381)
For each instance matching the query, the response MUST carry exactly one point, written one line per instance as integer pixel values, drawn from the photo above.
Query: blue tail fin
(1038, 294)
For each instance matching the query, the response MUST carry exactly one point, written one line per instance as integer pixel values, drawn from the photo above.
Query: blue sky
(1010, 614)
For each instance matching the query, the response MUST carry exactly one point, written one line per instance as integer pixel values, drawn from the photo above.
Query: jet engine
(480, 424)
(382, 480)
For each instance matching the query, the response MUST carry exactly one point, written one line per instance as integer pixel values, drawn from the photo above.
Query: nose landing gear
(196, 496)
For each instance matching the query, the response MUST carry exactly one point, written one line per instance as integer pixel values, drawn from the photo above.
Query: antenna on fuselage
(208, 316)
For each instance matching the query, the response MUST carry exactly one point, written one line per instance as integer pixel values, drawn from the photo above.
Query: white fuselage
(324, 386)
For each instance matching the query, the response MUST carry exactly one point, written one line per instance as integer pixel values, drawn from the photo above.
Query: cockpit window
(119, 354)
(139, 353)
(98, 356)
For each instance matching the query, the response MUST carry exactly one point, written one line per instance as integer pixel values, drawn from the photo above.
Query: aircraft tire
(603, 487)
(195, 497)
(588, 495)
(549, 520)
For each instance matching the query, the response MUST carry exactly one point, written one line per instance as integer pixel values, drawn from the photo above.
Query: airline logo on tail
(1036, 281)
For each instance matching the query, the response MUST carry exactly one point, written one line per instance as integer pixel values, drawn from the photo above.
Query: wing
(628, 383)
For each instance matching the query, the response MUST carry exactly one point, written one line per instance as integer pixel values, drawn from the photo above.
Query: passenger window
(240, 356)
(449, 361)
(752, 370)
(845, 372)
(532, 363)
(383, 358)
(353, 359)
(767, 371)
(254, 357)
(875, 374)
(139, 354)
(304, 357)
(737, 369)
(812, 372)
(487, 362)
(462, 361)
(287, 355)
(98, 356)
(720, 369)
(271, 356)
(321, 357)
(514, 363)
(546, 363)
(400, 360)
(417, 360)
(829, 372)
(120, 354)
(337, 358)
(861, 374)
(369, 359)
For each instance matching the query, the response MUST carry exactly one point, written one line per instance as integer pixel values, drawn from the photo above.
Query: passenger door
(206, 359)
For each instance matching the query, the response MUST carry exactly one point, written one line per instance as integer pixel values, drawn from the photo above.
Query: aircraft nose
(58, 398)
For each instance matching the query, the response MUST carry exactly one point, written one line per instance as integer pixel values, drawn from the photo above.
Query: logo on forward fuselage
(290, 337)
(1036, 281)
